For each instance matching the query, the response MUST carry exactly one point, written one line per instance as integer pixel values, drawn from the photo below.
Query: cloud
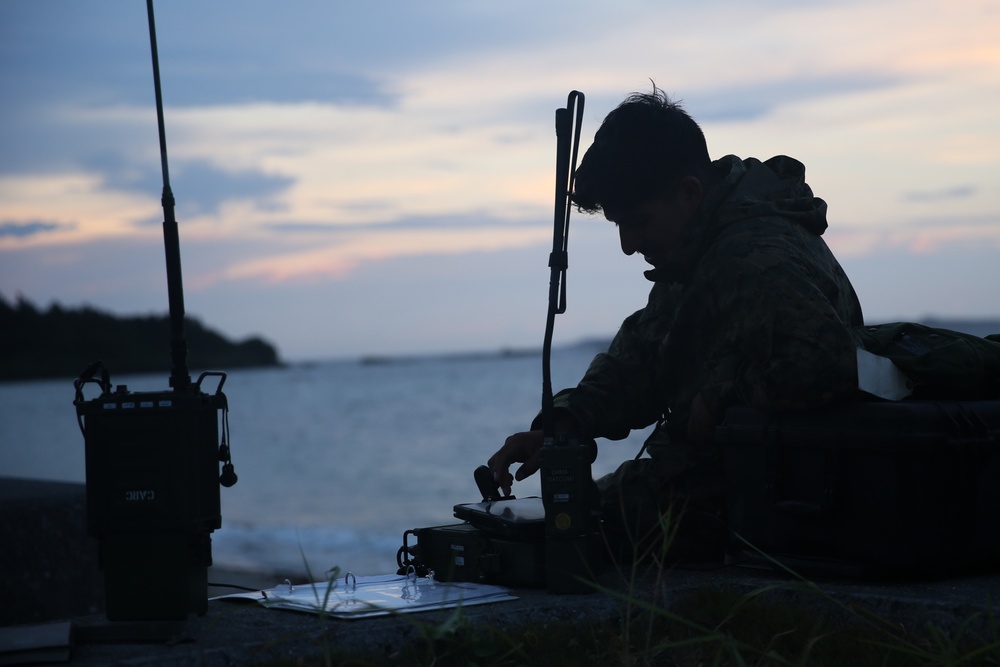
(432, 121)
(955, 192)
(337, 259)
(919, 236)
(955, 280)
(470, 220)
(198, 186)
(203, 187)
(208, 54)
(364, 164)
(31, 228)
(76, 200)
(314, 146)
(747, 102)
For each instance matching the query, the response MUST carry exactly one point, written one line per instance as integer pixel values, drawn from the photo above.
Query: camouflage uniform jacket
(752, 309)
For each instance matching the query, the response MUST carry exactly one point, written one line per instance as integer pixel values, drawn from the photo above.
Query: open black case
(499, 542)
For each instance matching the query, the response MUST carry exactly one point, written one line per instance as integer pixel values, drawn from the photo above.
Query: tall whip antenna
(568, 123)
(179, 378)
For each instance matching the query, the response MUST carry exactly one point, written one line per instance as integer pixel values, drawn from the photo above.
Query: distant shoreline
(503, 353)
(60, 342)
(981, 327)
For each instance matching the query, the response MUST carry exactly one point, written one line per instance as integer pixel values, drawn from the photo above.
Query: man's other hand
(701, 423)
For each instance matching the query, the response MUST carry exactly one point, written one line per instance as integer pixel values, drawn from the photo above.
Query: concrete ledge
(49, 563)
(246, 633)
(50, 573)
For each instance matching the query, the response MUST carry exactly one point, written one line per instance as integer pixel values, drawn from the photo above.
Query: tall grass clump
(791, 623)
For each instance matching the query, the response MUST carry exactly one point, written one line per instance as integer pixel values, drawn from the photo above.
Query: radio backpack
(942, 364)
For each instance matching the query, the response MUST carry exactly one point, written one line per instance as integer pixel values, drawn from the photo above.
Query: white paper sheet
(381, 595)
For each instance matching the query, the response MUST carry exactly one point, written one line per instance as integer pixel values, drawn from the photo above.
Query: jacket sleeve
(620, 390)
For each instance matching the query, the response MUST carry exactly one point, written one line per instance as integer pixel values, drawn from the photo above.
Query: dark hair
(641, 150)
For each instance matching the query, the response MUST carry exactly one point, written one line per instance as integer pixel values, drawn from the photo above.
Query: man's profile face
(656, 226)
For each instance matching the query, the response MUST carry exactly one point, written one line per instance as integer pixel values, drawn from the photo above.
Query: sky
(377, 178)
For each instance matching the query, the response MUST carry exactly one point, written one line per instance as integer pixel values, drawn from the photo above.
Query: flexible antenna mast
(569, 120)
(179, 378)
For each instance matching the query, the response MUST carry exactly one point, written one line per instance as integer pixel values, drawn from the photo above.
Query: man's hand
(701, 423)
(524, 448)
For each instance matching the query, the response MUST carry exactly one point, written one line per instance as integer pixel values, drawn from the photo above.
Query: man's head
(647, 170)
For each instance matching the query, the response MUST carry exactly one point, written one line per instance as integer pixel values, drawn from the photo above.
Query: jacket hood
(747, 189)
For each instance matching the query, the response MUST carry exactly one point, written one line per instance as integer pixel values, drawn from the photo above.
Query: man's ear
(690, 192)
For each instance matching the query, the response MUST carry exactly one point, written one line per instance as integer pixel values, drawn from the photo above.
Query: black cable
(236, 586)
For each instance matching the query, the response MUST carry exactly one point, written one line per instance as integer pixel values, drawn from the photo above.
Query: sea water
(335, 459)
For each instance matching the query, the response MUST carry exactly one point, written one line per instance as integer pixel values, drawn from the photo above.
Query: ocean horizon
(336, 459)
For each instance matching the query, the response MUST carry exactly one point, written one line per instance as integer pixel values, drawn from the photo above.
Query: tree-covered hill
(61, 342)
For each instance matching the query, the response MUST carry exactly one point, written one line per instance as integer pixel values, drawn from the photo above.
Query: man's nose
(629, 240)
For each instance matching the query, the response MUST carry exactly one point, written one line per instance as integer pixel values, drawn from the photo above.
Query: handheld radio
(553, 540)
(569, 495)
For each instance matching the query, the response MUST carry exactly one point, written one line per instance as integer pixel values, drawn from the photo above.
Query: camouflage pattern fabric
(753, 309)
(669, 507)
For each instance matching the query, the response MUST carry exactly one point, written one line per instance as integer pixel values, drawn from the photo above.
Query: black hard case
(464, 552)
(500, 542)
(152, 464)
(880, 488)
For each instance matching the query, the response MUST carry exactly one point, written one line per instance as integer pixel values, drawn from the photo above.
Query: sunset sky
(377, 177)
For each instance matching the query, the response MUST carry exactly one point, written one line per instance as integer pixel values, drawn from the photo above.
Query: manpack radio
(153, 462)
